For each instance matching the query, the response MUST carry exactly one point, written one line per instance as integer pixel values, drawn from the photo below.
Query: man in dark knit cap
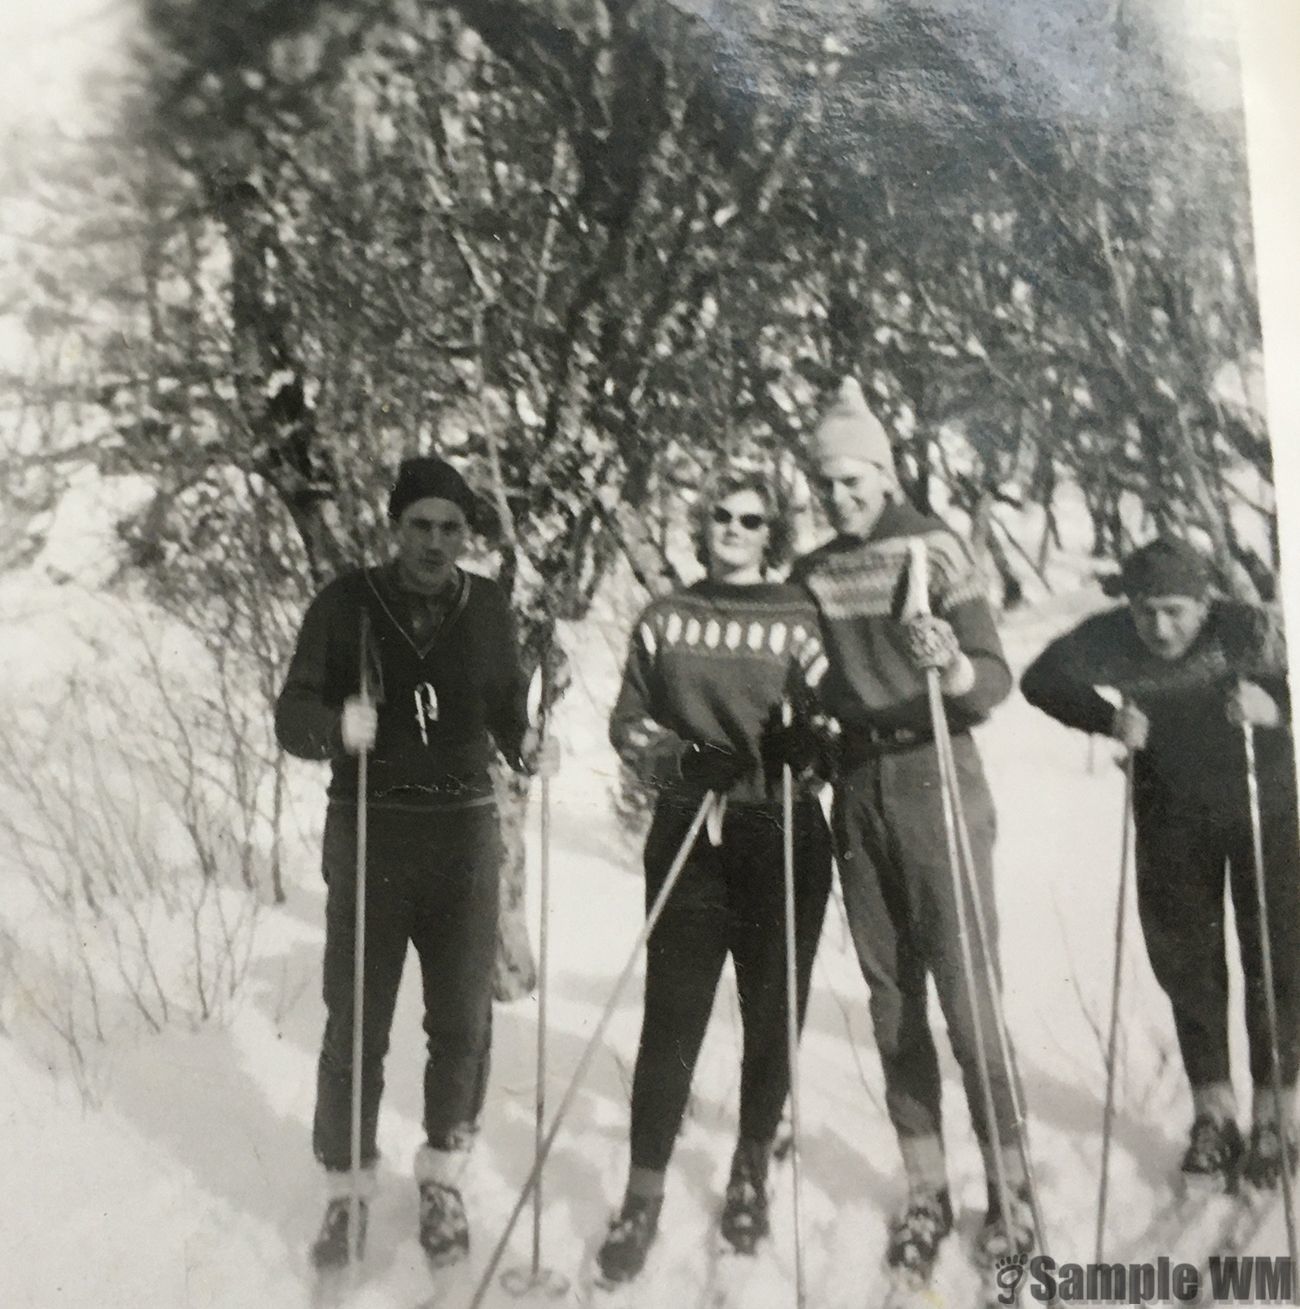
(888, 818)
(446, 694)
(1191, 667)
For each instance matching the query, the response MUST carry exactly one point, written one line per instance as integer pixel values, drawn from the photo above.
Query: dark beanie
(426, 476)
(1166, 566)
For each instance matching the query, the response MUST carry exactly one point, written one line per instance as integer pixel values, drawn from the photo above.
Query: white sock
(443, 1167)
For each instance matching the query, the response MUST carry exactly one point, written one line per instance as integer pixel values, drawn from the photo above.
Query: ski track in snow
(194, 1185)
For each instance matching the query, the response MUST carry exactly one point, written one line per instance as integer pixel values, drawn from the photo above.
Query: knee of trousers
(1183, 974)
(897, 1020)
(466, 1041)
(336, 1048)
(969, 1015)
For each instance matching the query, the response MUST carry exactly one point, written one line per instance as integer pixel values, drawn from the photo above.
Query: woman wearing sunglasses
(700, 710)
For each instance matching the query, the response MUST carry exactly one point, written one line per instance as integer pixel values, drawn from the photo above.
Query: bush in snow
(136, 788)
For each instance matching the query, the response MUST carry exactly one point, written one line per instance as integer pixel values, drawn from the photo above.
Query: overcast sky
(47, 47)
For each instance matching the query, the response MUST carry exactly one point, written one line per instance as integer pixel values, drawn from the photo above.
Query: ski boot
(329, 1252)
(916, 1233)
(1262, 1167)
(744, 1221)
(444, 1229)
(628, 1241)
(1213, 1155)
(997, 1242)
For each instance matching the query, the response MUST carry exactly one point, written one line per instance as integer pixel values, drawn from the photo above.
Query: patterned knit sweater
(860, 587)
(710, 664)
(1193, 752)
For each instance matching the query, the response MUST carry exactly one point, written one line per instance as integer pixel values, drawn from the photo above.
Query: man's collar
(397, 578)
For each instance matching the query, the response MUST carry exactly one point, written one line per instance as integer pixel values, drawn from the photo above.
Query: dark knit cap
(427, 476)
(1166, 566)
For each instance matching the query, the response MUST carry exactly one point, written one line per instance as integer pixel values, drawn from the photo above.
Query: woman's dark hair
(776, 507)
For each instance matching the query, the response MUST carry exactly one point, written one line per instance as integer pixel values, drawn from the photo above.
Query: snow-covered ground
(190, 1181)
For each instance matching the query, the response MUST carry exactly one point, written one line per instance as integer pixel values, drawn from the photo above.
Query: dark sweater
(1192, 751)
(711, 664)
(860, 587)
(442, 700)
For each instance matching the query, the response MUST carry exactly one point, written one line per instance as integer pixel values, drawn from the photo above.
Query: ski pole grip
(918, 578)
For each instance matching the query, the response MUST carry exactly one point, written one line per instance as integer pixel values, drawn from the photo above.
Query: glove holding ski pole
(359, 725)
(1130, 727)
(933, 646)
(808, 744)
(1249, 704)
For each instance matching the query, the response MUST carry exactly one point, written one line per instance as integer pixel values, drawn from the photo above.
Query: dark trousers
(729, 899)
(892, 850)
(432, 880)
(1184, 856)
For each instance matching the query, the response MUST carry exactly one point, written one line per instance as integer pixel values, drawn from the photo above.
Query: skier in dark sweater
(888, 819)
(1191, 667)
(446, 693)
(700, 710)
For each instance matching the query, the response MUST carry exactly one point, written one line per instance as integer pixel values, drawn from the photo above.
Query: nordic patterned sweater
(1193, 753)
(443, 697)
(710, 664)
(860, 586)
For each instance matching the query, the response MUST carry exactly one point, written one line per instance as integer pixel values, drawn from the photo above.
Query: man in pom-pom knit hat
(1191, 667)
(888, 818)
(446, 693)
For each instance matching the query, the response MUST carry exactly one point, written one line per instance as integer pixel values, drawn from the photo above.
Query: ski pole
(1121, 910)
(792, 1008)
(1006, 1052)
(1270, 993)
(359, 967)
(918, 603)
(518, 1281)
(593, 1043)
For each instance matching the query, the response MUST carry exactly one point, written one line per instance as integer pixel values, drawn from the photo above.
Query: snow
(81, 543)
(178, 1171)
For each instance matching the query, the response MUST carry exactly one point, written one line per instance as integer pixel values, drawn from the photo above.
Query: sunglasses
(750, 522)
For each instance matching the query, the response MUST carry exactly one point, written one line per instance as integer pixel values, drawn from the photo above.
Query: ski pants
(729, 899)
(431, 880)
(892, 850)
(1185, 853)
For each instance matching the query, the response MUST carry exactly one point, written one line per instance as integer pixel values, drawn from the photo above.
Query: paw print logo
(1009, 1272)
